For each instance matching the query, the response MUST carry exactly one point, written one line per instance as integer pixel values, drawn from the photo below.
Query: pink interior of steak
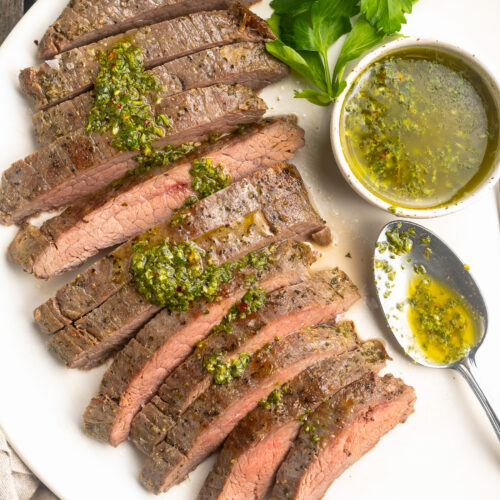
(168, 356)
(253, 472)
(101, 175)
(351, 443)
(171, 353)
(215, 434)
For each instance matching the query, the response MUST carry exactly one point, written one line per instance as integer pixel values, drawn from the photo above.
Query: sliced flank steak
(209, 420)
(340, 432)
(83, 21)
(139, 369)
(80, 164)
(72, 73)
(141, 201)
(93, 337)
(252, 453)
(246, 63)
(240, 213)
(323, 296)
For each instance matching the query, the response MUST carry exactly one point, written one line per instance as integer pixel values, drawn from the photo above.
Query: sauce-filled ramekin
(394, 47)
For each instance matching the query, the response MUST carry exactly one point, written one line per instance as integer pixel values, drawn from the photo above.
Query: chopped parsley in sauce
(252, 301)
(419, 129)
(275, 398)
(164, 156)
(441, 321)
(123, 97)
(225, 372)
(174, 274)
(208, 178)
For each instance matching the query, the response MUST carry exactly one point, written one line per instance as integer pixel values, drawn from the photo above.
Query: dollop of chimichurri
(441, 321)
(174, 274)
(275, 398)
(123, 96)
(225, 372)
(419, 129)
(208, 178)
(252, 301)
(164, 156)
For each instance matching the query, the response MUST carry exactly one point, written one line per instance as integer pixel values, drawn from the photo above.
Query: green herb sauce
(441, 321)
(174, 274)
(419, 129)
(123, 97)
(164, 156)
(275, 398)
(208, 178)
(252, 301)
(225, 372)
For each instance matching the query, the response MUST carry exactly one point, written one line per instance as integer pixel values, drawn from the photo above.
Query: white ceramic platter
(445, 450)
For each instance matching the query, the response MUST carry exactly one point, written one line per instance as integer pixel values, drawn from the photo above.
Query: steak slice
(223, 222)
(207, 422)
(247, 63)
(340, 432)
(324, 295)
(139, 369)
(83, 22)
(287, 214)
(74, 72)
(119, 212)
(79, 164)
(246, 466)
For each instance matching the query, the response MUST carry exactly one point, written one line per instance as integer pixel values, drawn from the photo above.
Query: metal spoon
(443, 265)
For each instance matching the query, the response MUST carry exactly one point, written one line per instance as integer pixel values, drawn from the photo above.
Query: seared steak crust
(252, 453)
(139, 202)
(83, 21)
(253, 208)
(140, 368)
(73, 72)
(246, 63)
(207, 422)
(79, 164)
(344, 428)
(324, 295)
(101, 331)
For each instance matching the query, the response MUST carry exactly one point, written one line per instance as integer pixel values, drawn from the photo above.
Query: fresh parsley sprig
(306, 29)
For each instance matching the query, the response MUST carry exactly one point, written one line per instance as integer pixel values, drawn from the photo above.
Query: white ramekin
(387, 48)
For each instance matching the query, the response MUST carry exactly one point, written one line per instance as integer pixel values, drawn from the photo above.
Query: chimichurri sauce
(123, 94)
(419, 129)
(442, 322)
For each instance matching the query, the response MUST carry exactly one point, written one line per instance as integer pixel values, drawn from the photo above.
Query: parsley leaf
(362, 37)
(387, 15)
(306, 29)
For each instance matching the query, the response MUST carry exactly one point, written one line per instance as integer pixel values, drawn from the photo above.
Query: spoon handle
(467, 367)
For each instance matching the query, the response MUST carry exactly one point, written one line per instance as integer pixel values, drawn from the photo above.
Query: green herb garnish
(225, 372)
(307, 28)
(174, 274)
(123, 97)
(252, 301)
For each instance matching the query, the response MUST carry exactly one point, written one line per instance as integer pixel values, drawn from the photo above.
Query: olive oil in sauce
(441, 321)
(419, 129)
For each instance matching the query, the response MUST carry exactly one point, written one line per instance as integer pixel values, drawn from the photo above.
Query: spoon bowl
(429, 255)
